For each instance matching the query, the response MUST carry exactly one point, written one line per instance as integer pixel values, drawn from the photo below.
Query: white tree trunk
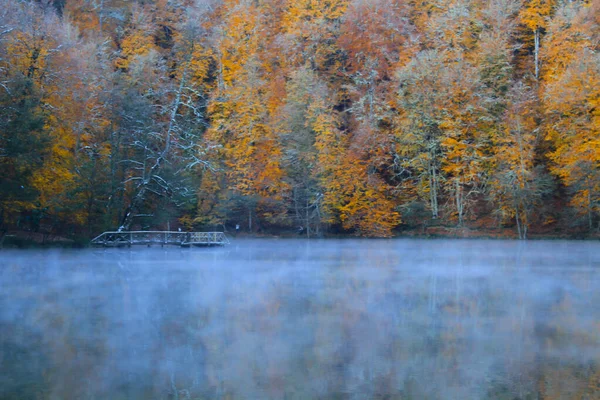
(537, 53)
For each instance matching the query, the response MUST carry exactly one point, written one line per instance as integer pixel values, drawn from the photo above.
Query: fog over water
(298, 319)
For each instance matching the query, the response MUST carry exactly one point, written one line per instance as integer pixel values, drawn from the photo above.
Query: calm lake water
(296, 319)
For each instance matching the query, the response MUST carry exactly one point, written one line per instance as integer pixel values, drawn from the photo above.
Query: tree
(311, 30)
(242, 109)
(300, 155)
(97, 17)
(572, 105)
(164, 146)
(138, 40)
(439, 139)
(418, 126)
(375, 35)
(33, 59)
(23, 145)
(534, 16)
(572, 30)
(519, 185)
(333, 115)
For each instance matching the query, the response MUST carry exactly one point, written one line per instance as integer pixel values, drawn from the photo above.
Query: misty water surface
(296, 319)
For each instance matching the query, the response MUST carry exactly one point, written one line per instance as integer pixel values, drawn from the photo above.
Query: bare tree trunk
(296, 209)
(459, 202)
(518, 219)
(143, 188)
(433, 191)
(307, 218)
(101, 15)
(249, 219)
(589, 199)
(91, 197)
(318, 225)
(522, 223)
(537, 53)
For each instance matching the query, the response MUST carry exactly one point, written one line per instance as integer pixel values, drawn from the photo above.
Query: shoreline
(36, 240)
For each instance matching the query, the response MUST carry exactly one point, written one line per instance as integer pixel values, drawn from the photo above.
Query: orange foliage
(328, 114)
(573, 104)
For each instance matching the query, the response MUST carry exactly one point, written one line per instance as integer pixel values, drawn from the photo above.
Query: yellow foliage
(27, 52)
(136, 44)
(572, 103)
(361, 201)
(138, 40)
(570, 32)
(536, 12)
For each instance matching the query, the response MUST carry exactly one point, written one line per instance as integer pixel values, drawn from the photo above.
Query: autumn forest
(312, 117)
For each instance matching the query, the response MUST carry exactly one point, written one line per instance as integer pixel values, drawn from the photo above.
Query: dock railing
(130, 238)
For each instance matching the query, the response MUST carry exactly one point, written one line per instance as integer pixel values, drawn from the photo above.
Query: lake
(299, 319)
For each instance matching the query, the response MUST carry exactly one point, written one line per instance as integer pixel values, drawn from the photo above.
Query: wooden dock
(148, 238)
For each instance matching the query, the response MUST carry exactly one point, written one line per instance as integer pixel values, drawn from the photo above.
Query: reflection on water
(356, 319)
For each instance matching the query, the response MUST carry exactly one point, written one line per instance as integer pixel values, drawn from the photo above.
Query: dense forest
(366, 117)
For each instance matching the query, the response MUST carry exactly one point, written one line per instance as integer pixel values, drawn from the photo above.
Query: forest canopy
(364, 117)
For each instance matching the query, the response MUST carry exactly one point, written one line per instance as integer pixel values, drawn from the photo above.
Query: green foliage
(23, 145)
